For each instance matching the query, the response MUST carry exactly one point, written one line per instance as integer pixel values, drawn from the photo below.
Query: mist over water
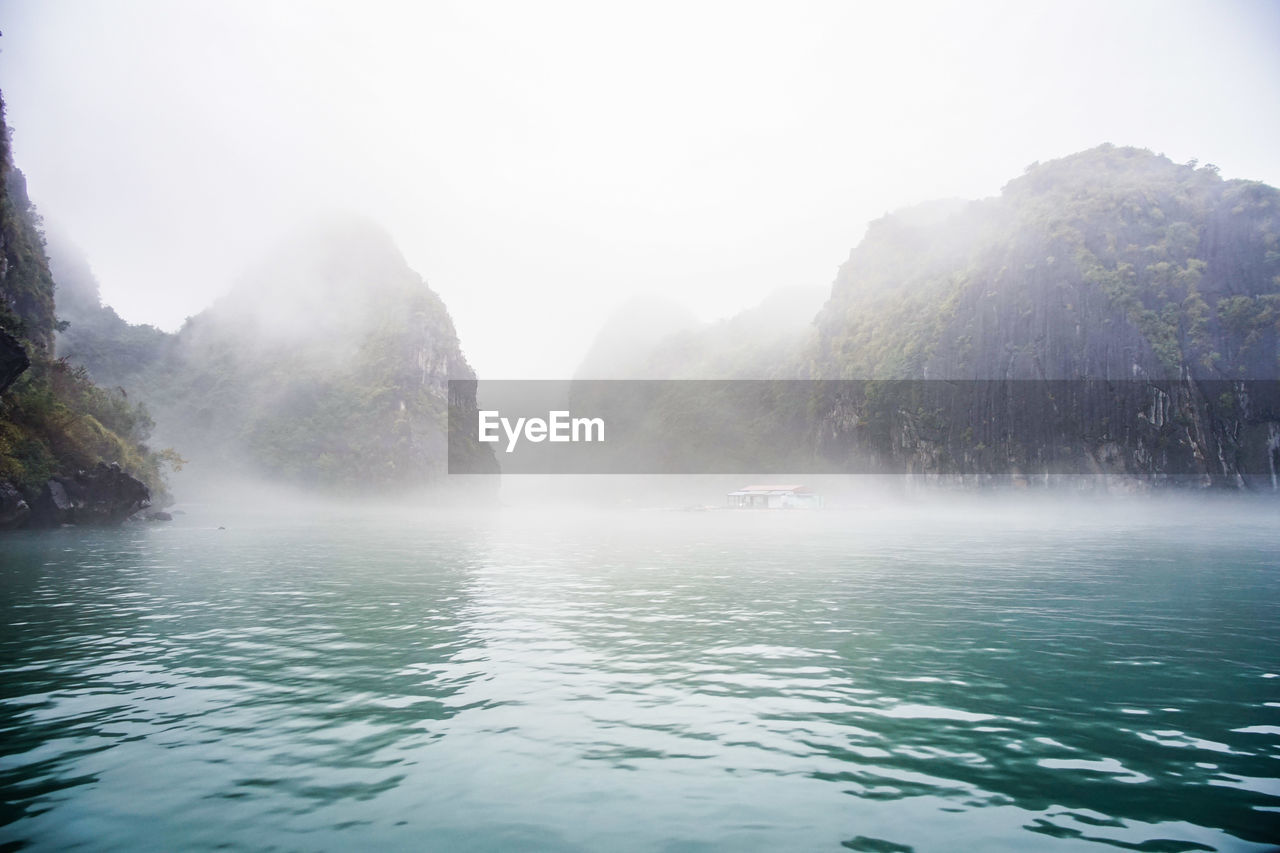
(1057, 676)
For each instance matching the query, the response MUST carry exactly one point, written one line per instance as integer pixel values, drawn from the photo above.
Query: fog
(658, 505)
(541, 164)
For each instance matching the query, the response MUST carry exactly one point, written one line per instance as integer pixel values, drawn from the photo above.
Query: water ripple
(654, 684)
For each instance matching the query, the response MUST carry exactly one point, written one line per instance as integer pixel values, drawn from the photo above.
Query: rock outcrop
(103, 496)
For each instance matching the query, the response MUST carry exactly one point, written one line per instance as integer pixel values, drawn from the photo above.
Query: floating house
(773, 497)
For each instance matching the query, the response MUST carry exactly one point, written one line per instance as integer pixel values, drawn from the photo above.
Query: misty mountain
(631, 337)
(92, 335)
(654, 339)
(1112, 263)
(1153, 286)
(325, 366)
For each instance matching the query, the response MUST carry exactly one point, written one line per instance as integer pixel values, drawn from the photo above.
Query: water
(889, 680)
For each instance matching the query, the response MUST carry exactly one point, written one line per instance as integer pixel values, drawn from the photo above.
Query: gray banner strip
(1203, 428)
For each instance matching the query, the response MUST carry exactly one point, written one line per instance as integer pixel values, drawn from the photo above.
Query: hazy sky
(540, 162)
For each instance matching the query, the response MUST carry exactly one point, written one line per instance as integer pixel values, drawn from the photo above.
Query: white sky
(540, 162)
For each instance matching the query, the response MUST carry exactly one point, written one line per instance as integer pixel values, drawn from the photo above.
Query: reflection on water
(653, 681)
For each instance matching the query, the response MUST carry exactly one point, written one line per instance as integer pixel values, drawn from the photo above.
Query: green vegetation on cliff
(1111, 263)
(53, 419)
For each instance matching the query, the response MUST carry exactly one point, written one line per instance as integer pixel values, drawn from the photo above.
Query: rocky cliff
(1153, 286)
(70, 451)
(327, 366)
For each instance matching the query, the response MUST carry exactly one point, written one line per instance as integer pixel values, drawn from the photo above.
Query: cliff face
(26, 309)
(1160, 280)
(327, 366)
(56, 426)
(1112, 263)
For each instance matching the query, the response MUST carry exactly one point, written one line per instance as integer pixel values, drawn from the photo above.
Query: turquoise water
(928, 679)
